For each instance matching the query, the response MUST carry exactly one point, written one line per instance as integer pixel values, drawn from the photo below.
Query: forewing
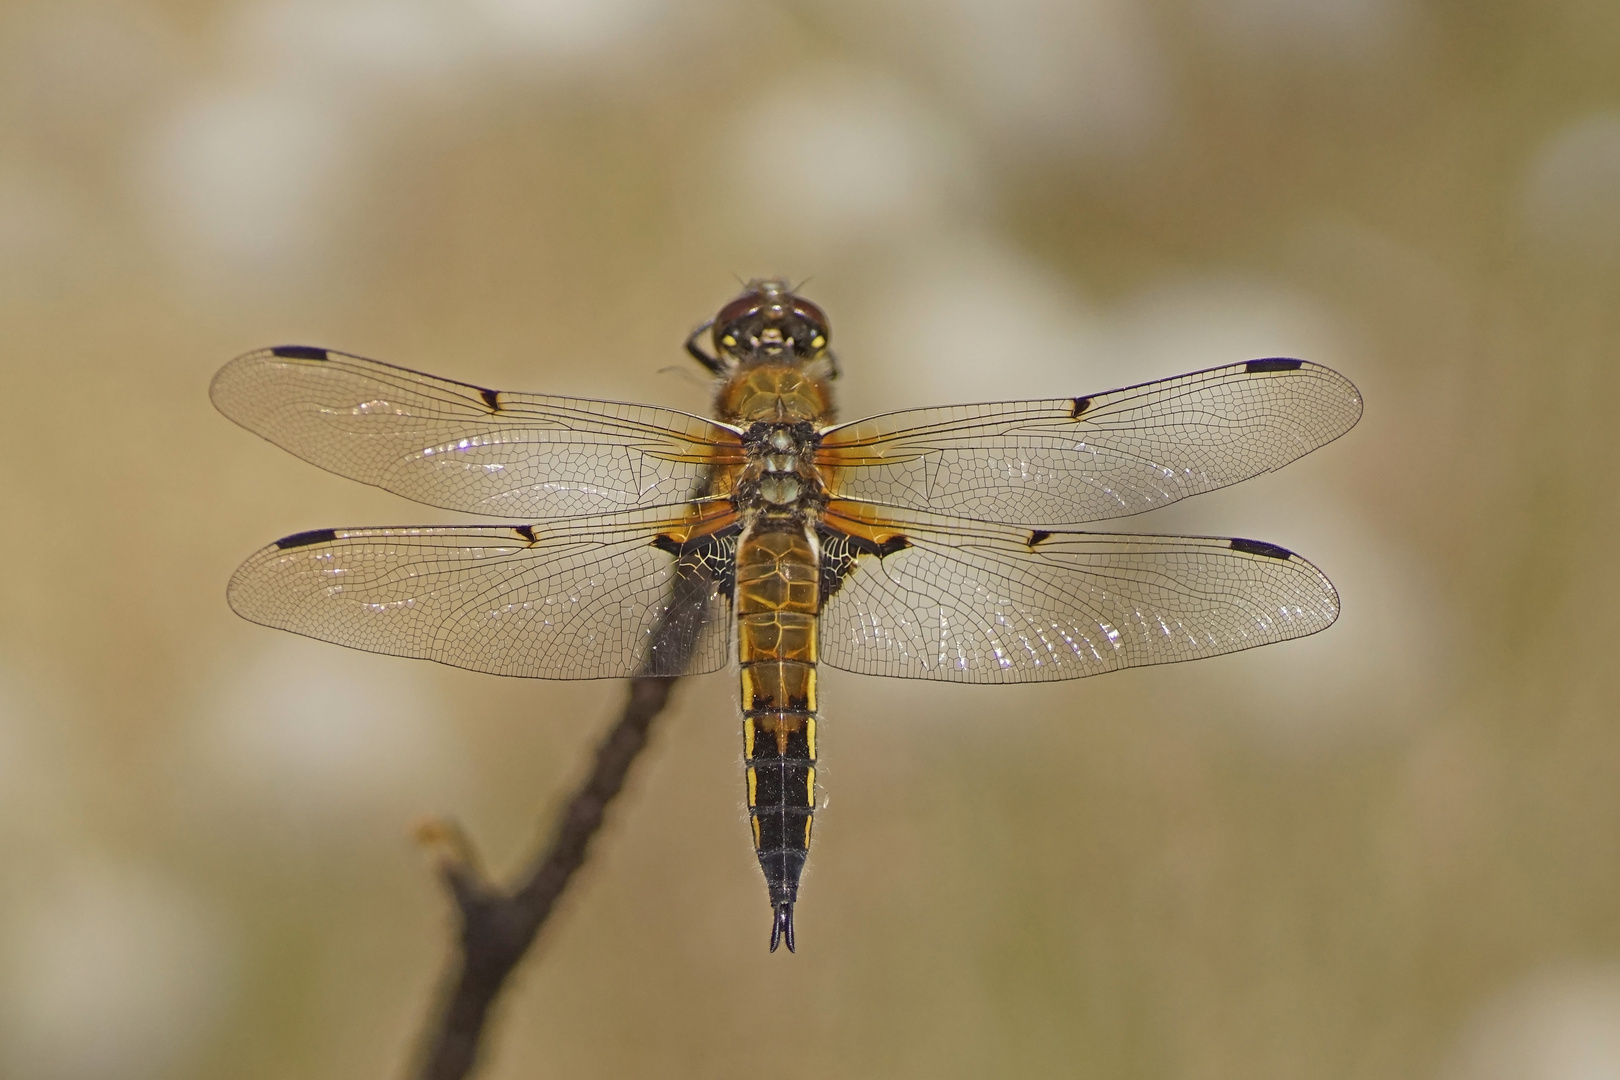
(605, 599)
(462, 447)
(1073, 460)
(984, 604)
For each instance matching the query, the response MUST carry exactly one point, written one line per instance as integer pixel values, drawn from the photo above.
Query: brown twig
(497, 925)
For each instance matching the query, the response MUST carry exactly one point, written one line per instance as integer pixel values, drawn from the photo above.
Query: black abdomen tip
(782, 926)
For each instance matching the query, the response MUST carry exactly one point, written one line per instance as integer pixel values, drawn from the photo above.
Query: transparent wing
(1074, 460)
(975, 603)
(462, 447)
(605, 599)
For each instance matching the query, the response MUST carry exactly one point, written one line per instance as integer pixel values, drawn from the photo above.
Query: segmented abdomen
(777, 584)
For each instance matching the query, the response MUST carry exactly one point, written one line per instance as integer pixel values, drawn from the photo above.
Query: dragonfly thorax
(780, 473)
(780, 490)
(774, 393)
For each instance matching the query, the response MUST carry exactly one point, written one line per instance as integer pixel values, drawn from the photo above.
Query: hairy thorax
(774, 393)
(780, 407)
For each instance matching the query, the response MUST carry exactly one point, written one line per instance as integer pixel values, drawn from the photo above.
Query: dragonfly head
(770, 323)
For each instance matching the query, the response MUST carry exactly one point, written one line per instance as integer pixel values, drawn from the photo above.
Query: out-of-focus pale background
(1387, 851)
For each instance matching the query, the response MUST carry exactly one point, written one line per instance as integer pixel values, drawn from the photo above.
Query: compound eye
(807, 311)
(740, 308)
(817, 319)
(725, 322)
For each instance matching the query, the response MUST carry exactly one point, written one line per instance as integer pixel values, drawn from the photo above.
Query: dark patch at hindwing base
(713, 557)
(704, 569)
(840, 552)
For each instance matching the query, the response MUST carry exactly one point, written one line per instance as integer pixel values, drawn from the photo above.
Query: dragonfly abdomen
(778, 576)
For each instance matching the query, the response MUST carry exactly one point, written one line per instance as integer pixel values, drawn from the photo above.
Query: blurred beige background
(1386, 851)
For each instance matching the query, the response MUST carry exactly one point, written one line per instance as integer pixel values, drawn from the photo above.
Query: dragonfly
(636, 541)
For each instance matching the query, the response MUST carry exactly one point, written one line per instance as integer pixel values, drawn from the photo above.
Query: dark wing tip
(305, 539)
(1273, 363)
(1260, 547)
(298, 352)
(782, 926)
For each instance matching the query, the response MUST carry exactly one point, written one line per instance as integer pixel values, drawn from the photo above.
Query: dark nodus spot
(525, 531)
(1273, 363)
(1037, 536)
(1260, 547)
(305, 539)
(492, 398)
(299, 352)
(893, 544)
(1081, 404)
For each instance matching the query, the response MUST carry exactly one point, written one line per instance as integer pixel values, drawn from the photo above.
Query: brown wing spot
(525, 531)
(1260, 547)
(1036, 536)
(492, 398)
(298, 352)
(1273, 363)
(305, 539)
(1081, 404)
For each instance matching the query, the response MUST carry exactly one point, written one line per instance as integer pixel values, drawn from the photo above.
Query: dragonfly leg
(713, 363)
